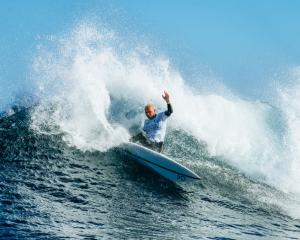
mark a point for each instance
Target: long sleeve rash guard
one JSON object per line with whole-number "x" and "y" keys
{"x": 155, "y": 128}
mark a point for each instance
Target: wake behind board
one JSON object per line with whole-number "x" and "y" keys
{"x": 160, "y": 163}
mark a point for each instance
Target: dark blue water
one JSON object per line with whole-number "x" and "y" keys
{"x": 49, "y": 190}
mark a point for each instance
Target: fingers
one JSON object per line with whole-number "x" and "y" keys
{"x": 166, "y": 96}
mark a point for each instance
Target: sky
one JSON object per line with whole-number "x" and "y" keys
{"x": 244, "y": 44}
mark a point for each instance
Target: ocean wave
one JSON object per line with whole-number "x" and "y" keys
{"x": 92, "y": 86}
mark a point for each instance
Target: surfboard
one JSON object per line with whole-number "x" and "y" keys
{"x": 160, "y": 163}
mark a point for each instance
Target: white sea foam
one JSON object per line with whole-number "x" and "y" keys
{"x": 93, "y": 72}
{"x": 289, "y": 101}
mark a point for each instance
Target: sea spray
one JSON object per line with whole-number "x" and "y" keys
{"x": 73, "y": 97}
{"x": 289, "y": 102}
{"x": 93, "y": 88}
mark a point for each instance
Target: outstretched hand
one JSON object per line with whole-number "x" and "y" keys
{"x": 166, "y": 97}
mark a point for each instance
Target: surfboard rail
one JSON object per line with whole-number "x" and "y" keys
{"x": 160, "y": 163}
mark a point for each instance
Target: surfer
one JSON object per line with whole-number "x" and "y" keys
{"x": 155, "y": 126}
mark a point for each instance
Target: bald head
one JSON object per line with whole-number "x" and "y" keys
{"x": 150, "y": 110}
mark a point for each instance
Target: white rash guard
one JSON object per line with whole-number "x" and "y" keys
{"x": 155, "y": 128}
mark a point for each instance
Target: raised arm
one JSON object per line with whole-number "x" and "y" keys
{"x": 166, "y": 97}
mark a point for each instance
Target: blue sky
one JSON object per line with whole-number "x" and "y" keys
{"x": 244, "y": 43}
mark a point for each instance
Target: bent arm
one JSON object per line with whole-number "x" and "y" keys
{"x": 166, "y": 97}
{"x": 170, "y": 110}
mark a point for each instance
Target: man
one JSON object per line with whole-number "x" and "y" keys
{"x": 155, "y": 126}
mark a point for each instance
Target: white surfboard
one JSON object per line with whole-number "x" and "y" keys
{"x": 160, "y": 163}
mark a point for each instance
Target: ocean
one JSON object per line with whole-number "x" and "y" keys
{"x": 64, "y": 176}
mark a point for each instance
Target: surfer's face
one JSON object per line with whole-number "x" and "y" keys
{"x": 150, "y": 111}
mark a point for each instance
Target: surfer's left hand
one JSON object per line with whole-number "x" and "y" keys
{"x": 166, "y": 97}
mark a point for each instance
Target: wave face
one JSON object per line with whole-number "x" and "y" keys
{"x": 91, "y": 86}
{"x": 50, "y": 189}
